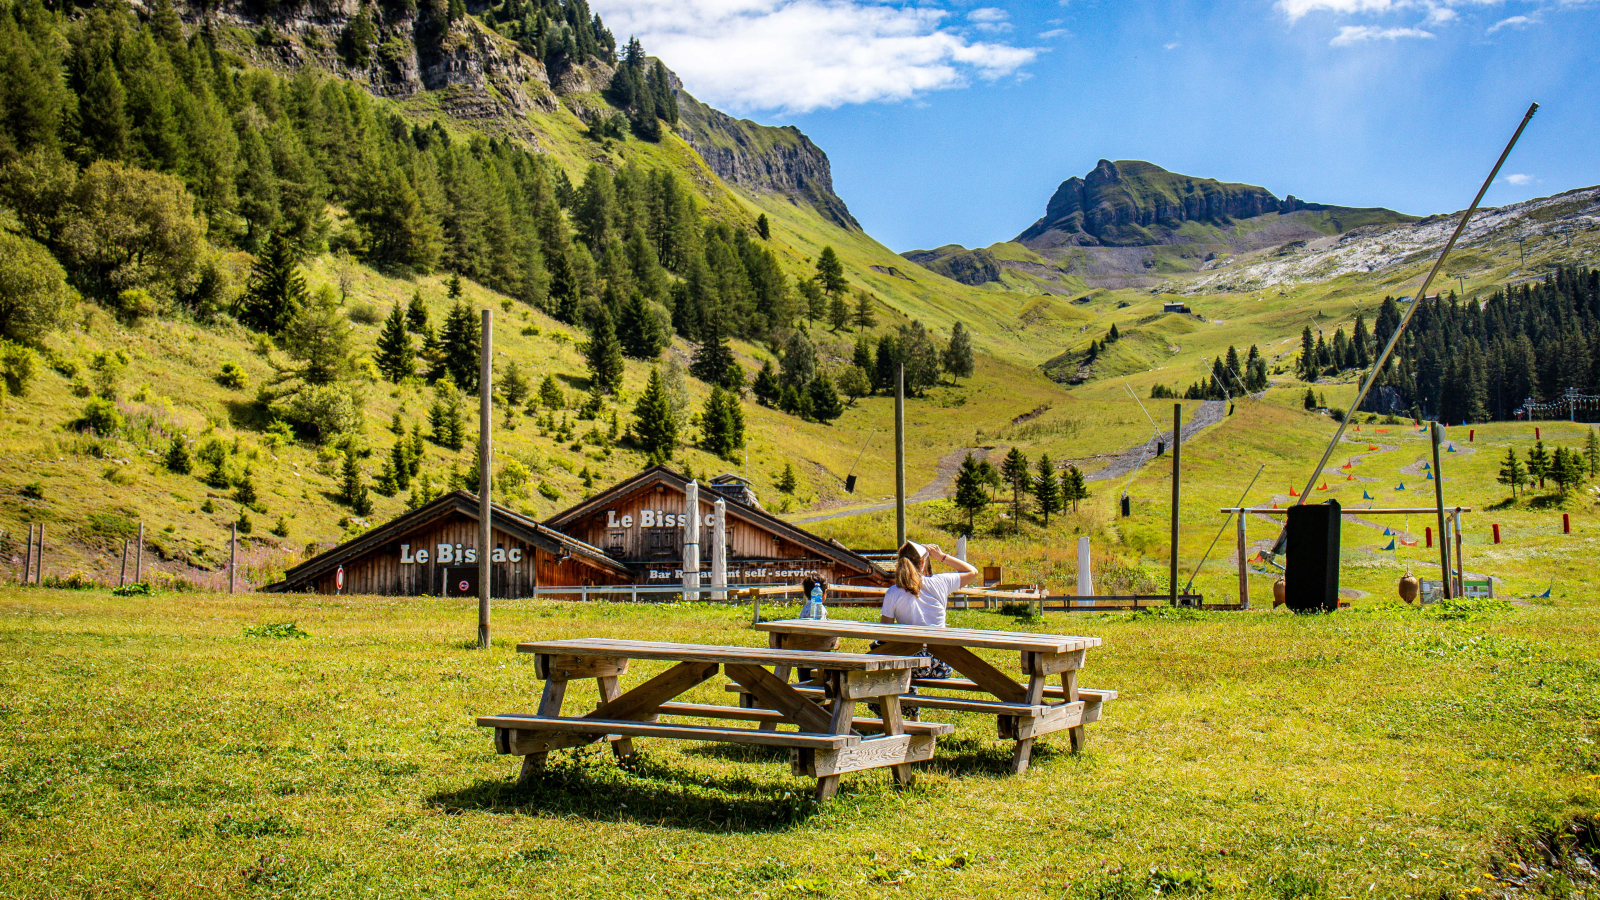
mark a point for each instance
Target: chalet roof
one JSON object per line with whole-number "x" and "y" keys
{"x": 754, "y": 515}
{"x": 459, "y": 503}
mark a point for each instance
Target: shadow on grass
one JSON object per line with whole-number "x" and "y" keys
{"x": 590, "y": 785}
{"x": 958, "y": 757}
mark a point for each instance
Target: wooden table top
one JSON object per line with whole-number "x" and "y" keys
{"x": 922, "y": 634}
{"x": 716, "y": 653}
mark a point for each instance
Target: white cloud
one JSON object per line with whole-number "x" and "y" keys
{"x": 1439, "y": 15}
{"x": 1355, "y": 34}
{"x": 1053, "y": 33}
{"x": 1170, "y": 45}
{"x": 1520, "y": 179}
{"x": 800, "y": 55}
{"x": 1439, "y": 11}
{"x": 1514, "y": 22}
{"x": 990, "y": 19}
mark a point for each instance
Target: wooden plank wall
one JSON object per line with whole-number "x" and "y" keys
{"x": 380, "y": 571}
{"x": 664, "y": 545}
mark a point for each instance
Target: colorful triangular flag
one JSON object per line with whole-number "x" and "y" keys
{"x": 1293, "y": 492}
{"x": 1450, "y": 449}
{"x": 1430, "y": 477}
{"x": 1324, "y": 486}
{"x": 1406, "y": 543}
{"x": 1390, "y": 547}
{"x": 1365, "y": 495}
{"x": 1401, "y": 487}
{"x": 1387, "y": 532}
{"x": 1372, "y": 446}
{"x": 1544, "y": 595}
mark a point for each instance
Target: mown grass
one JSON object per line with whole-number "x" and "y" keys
{"x": 152, "y": 747}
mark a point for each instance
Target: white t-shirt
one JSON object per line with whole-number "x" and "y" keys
{"x": 925, "y": 608}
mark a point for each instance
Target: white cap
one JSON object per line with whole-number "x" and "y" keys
{"x": 922, "y": 552}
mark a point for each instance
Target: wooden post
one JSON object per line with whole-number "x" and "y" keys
{"x": 1085, "y": 577}
{"x": 1461, "y": 566}
{"x": 1434, "y": 433}
{"x": 1177, "y": 454}
{"x": 122, "y": 575}
{"x": 485, "y": 468}
{"x": 38, "y": 558}
{"x": 1244, "y": 568}
{"x": 899, "y": 455}
{"x": 719, "y": 550}
{"x": 233, "y": 558}
{"x": 691, "y": 541}
{"x": 138, "y": 556}
{"x": 27, "y": 561}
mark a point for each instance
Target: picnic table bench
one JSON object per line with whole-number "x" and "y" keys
{"x": 830, "y": 741}
{"x": 1023, "y": 712}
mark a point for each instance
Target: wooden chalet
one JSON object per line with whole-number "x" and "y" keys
{"x": 433, "y": 550}
{"x": 638, "y": 523}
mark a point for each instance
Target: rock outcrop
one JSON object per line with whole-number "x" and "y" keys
{"x": 953, "y": 261}
{"x": 762, "y": 158}
{"x": 1130, "y": 203}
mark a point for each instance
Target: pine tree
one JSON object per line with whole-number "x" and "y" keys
{"x": 1073, "y": 487}
{"x": 787, "y": 482}
{"x": 885, "y": 363}
{"x": 830, "y": 273}
{"x": 638, "y": 329}
{"x": 1046, "y": 489}
{"x": 863, "y": 356}
{"x": 798, "y": 362}
{"x": 1512, "y": 472}
{"x": 1113, "y": 335}
{"x": 396, "y": 358}
{"x": 970, "y": 495}
{"x": 1567, "y": 470}
{"x": 767, "y": 387}
{"x": 714, "y": 363}
{"x": 1361, "y": 343}
{"x": 1310, "y": 401}
{"x": 654, "y": 427}
{"x": 459, "y": 343}
{"x": 825, "y": 403}
{"x": 763, "y": 228}
{"x": 1014, "y": 469}
{"x": 1538, "y": 463}
{"x": 353, "y": 486}
{"x": 444, "y": 415}
{"x": 416, "y": 313}
{"x": 178, "y": 460}
{"x": 550, "y": 394}
{"x": 603, "y": 354}
{"x": 838, "y": 313}
{"x": 958, "y": 356}
{"x": 403, "y": 464}
{"x": 514, "y": 386}
{"x": 722, "y": 423}
{"x": 814, "y": 303}
{"x": 1307, "y": 366}
{"x": 388, "y": 482}
{"x": 276, "y": 291}
{"x": 453, "y": 288}
{"x": 1591, "y": 452}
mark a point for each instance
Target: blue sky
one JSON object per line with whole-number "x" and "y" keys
{"x": 953, "y": 123}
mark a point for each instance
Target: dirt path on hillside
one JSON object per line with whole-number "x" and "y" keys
{"x": 944, "y": 476}
{"x": 1126, "y": 461}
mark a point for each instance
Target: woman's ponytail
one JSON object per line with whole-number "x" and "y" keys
{"x": 908, "y": 570}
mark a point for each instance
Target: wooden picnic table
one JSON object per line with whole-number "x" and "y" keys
{"x": 1023, "y": 711}
{"x": 830, "y": 740}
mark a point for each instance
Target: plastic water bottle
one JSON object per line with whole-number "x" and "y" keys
{"x": 814, "y": 608}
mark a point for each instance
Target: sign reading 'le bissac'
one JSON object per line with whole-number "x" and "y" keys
{"x": 445, "y": 554}
{"x": 655, "y": 518}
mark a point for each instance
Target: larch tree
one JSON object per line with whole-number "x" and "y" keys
{"x": 396, "y": 358}
{"x": 958, "y": 355}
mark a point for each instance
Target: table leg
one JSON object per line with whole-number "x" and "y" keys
{"x": 844, "y": 714}
{"x": 1069, "y": 687}
{"x": 1024, "y": 750}
{"x": 775, "y": 641}
{"x": 555, "y": 691}
{"x": 892, "y": 724}
{"x": 610, "y": 690}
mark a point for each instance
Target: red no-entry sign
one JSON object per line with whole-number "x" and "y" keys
{"x": 338, "y": 579}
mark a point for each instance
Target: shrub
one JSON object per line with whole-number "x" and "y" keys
{"x": 232, "y": 377}
{"x": 208, "y": 506}
{"x": 33, "y": 490}
{"x": 364, "y": 313}
{"x": 281, "y": 529}
{"x": 275, "y": 630}
{"x": 245, "y": 525}
{"x": 33, "y": 289}
{"x": 548, "y": 492}
{"x": 178, "y": 460}
{"x": 101, "y": 417}
{"x": 324, "y": 411}
{"x": 135, "y": 304}
{"x": 137, "y": 589}
{"x": 17, "y": 366}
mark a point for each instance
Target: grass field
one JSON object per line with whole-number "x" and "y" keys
{"x": 152, "y": 747}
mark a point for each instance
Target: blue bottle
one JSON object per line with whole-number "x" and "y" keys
{"x": 814, "y": 608}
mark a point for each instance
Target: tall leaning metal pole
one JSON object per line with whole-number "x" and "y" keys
{"x": 1422, "y": 293}
{"x": 899, "y": 455}
{"x": 485, "y": 467}
{"x": 1177, "y": 455}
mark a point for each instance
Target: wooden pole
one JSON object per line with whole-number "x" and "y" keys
{"x": 485, "y": 468}
{"x": 1461, "y": 566}
{"x": 27, "y": 561}
{"x": 1435, "y": 432}
{"x": 138, "y": 556}
{"x": 38, "y": 559}
{"x": 233, "y": 558}
{"x": 1177, "y": 454}
{"x": 122, "y": 576}
{"x": 719, "y": 549}
{"x": 1244, "y": 569}
{"x": 899, "y": 455}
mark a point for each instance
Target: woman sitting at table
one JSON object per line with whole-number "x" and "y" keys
{"x": 918, "y": 597}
